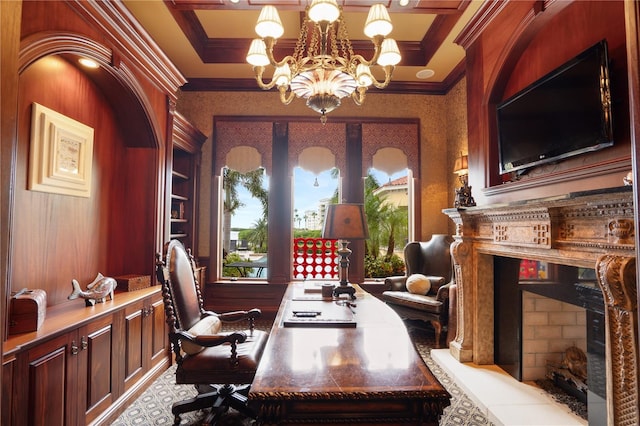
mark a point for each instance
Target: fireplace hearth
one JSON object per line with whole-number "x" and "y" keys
{"x": 589, "y": 230}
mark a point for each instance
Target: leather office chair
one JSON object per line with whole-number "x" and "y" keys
{"x": 220, "y": 365}
{"x": 432, "y": 260}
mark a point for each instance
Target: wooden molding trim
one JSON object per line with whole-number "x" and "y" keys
{"x": 616, "y": 165}
{"x": 115, "y": 20}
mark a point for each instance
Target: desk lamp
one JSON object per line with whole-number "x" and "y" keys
{"x": 463, "y": 194}
{"x": 345, "y": 222}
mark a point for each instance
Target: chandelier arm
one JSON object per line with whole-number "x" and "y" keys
{"x": 284, "y": 97}
{"x": 356, "y": 59}
{"x": 377, "y": 43}
{"x": 359, "y": 95}
{"x": 388, "y": 70}
{"x": 270, "y": 42}
{"x": 259, "y": 70}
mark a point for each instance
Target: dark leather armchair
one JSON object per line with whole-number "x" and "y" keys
{"x": 220, "y": 365}
{"x": 433, "y": 260}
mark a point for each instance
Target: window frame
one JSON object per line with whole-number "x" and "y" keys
{"x": 361, "y": 138}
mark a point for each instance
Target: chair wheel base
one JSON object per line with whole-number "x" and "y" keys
{"x": 219, "y": 399}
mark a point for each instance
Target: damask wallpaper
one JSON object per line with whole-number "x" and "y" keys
{"x": 442, "y": 133}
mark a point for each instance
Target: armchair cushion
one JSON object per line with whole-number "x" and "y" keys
{"x": 422, "y": 284}
{"x": 206, "y": 326}
{"x": 419, "y": 302}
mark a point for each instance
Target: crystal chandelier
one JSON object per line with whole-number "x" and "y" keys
{"x": 323, "y": 68}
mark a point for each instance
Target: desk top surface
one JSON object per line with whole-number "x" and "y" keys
{"x": 374, "y": 357}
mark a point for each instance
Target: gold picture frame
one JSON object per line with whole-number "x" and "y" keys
{"x": 61, "y": 155}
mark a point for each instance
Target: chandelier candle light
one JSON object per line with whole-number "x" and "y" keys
{"x": 330, "y": 70}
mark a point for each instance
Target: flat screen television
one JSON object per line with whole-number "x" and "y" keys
{"x": 565, "y": 113}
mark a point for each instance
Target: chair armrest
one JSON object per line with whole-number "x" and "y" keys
{"x": 397, "y": 283}
{"x": 443, "y": 292}
{"x": 208, "y": 340}
{"x": 237, "y": 315}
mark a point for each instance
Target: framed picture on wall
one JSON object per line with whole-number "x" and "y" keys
{"x": 61, "y": 154}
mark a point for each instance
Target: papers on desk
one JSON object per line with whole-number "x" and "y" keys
{"x": 303, "y": 313}
{"x": 313, "y": 287}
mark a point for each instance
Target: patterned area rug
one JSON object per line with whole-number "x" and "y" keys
{"x": 153, "y": 407}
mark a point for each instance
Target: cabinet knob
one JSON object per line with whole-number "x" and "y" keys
{"x": 83, "y": 343}
{"x": 74, "y": 348}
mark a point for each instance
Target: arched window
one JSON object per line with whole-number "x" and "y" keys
{"x": 300, "y": 157}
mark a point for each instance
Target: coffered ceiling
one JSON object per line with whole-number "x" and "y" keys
{"x": 208, "y": 39}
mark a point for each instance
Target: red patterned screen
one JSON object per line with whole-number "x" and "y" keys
{"x": 315, "y": 258}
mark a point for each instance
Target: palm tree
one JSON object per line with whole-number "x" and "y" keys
{"x": 258, "y": 236}
{"x": 232, "y": 203}
{"x": 395, "y": 224}
{"x": 252, "y": 181}
{"x": 375, "y": 210}
{"x": 386, "y": 222}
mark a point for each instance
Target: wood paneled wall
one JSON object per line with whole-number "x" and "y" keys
{"x": 511, "y": 45}
{"x": 64, "y": 237}
{"x": 127, "y": 101}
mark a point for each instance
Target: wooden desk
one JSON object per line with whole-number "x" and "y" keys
{"x": 370, "y": 374}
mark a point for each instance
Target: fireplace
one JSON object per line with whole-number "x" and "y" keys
{"x": 588, "y": 230}
{"x": 549, "y": 327}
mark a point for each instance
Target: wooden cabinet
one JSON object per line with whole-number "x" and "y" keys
{"x": 185, "y": 168}
{"x": 66, "y": 380}
{"x": 144, "y": 338}
{"x": 84, "y": 363}
{"x": 50, "y": 370}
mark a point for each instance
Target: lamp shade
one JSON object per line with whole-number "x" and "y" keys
{"x": 389, "y": 53}
{"x": 282, "y": 75}
{"x": 345, "y": 222}
{"x": 363, "y": 75}
{"x": 257, "y": 55}
{"x": 324, "y": 10}
{"x": 269, "y": 23}
{"x": 378, "y": 22}
{"x": 461, "y": 166}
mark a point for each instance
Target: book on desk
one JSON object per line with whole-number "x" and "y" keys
{"x": 319, "y": 313}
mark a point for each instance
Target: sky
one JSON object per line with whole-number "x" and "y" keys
{"x": 306, "y": 195}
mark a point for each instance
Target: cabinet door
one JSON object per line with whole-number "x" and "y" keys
{"x": 8, "y": 367}
{"x": 50, "y": 386}
{"x": 157, "y": 323}
{"x": 97, "y": 368}
{"x": 134, "y": 343}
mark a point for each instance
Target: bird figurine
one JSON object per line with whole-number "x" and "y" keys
{"x": 97, "y": 290}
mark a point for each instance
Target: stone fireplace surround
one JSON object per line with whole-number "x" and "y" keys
{"x": 592, "y": 229}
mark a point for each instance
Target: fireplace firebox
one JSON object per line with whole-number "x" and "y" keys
{"x": 542, "y": 317}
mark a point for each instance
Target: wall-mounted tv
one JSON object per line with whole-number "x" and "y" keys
{"x": 565, "y": 113}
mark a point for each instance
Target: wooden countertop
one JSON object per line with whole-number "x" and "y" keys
{"x": 72, "y": 314}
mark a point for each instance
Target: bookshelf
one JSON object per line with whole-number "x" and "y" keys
{"x": 185, "y": 169}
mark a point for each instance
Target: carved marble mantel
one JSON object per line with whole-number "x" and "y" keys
{"x": 592, "y": 230}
